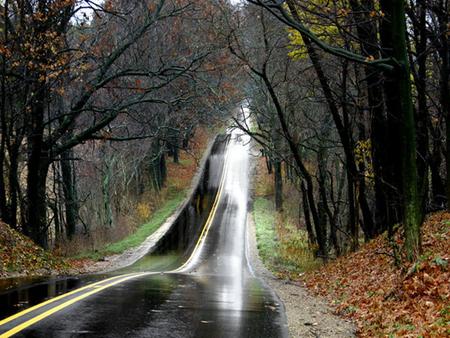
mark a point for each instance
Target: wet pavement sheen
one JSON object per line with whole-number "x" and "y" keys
{"x": 215, "y": 295}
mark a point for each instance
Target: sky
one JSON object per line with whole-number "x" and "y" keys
{"x": 88, "y": 12}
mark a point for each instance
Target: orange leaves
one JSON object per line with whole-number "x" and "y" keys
{"x": 109, "y": 6}
{"x": 382, "y": 300}
{"x": 39, "y": 44}
{"x": 343, "y": 12}
{"x": 377, "y": 14}
{"x": 59, "y": 5}
{"x": 138, "y": 84}
{"x": 151, "y": 7}
{"x": 5, "y": 51}
{"x": 18, "y": 254}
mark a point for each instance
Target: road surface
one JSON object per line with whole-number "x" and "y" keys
{"x": 213, "y": 294}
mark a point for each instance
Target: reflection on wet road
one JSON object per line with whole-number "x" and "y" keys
{"x": 214, "y": 295}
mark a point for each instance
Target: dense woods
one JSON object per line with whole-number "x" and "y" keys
{"x": 350, "y": 101}
{"x": 94, "y": 97}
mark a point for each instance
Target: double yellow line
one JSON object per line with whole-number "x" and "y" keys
{"x": 107, "y": 283}
{"x": 96, "y": 287}
{"x": 209, "y": 220}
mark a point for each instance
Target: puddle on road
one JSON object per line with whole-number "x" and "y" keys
{"x": 21, "y": 293}
{"x": 17, "y": 294}
{"x": 154, "y": 263}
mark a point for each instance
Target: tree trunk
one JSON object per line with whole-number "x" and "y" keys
{"x": 367, "y": 34}
{"x": 106, "y": 192}
{"x": 351, "y": 171}
{"x": 70, "y": 193}
{"x": 176, "y": 154}
{"x": 38, "y": 164}
{"x": 305, "y": 205}
{"x": 4, "y": 212}
{"x": 392, "y": 173}
{"x": 323, "y": 229}
{"x": 14, "y": 186}
{"x": 438, "y": 192}
{"x": 36, "y": 227}
{"x": 278, "y": 182}
{"x": 162, "y": 168}
{"x": 158, "y": 168}
{"x": 324, "y": 209}
{"x": 405, "y": 175}
{"x": 444, "y": 53}
{"x": 422, "y": 116}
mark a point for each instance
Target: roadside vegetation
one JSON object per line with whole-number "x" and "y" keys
{"x": 384, "y": 294}
{"x": 20, "y": 256}
{"x": 150, "y": 211}
{"x": 385, "y": 300}
{"x": 282, "y": 243}
{"x": 136, "y": 238}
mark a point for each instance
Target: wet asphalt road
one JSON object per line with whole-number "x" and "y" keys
{"x": 214, "y": 294}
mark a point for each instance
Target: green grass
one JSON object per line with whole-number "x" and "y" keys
{"x": 264, "y": 216}
{"x": 283, "y": 248}
{"x": 146, "y": 229}
{"x": 139, "y": 236}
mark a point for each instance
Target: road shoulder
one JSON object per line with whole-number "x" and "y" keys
{"x": 131, "y": 255}
{"x": 307, "y": 315}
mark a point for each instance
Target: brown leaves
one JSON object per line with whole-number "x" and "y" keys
{"x": 383, "y": 300}
{"x": 151, "y": 7}
{"x": 19, "y": 255}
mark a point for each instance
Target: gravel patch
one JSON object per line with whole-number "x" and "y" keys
{"x": 307, "y": 315}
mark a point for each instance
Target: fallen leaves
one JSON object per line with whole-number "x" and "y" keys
{"x": 20, "y": 256}
{"x": 386, "y": 301}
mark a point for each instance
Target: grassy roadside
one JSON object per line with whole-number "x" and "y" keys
{"x": 264, "y": 217}
{"x": 282, "y": 243}
{"x": 154, "y": 211}
{"x": 365, "y": 286}
{"x": 282, "y": 247}
{"x": 19, "y": 256}
{"x": 135, "y": 239}
{"x": 386, "y": 301}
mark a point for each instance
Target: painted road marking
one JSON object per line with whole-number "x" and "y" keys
{"x": 59, "y": 307}
{"x": 97, "y": 287}
{"x": 33, "y": 308}
{"x": 209, "y": 220}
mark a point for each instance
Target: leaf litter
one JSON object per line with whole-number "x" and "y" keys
{"x": 389, "y": 301}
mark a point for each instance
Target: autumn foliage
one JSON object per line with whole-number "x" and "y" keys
{"x": 384, "y": 300}
{"x": 20, "y": 256}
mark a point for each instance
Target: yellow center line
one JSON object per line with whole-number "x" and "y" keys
{"x": 97, "y": 287}
{"x": 209, "y": 220}
{"x": 33, "y": 308}
{"x": 66, "y": 304}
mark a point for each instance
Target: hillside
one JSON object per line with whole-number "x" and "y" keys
{"x": 19, "y": 256}
{"x": 383, "y": 300}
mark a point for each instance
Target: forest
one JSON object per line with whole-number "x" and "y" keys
{"x": 348, "y": 101}
{"x": 352, "y": 98}
{"x": 351, "y": 101}
{"x": 95, "y": 97}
